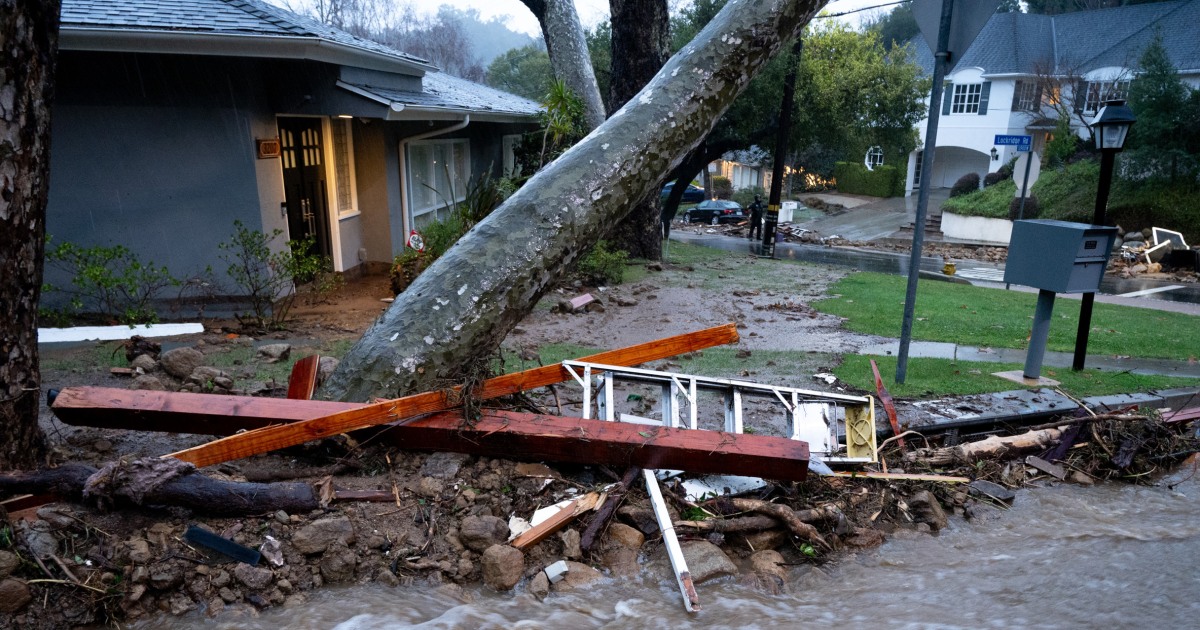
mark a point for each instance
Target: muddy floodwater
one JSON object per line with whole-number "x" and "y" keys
{"x": 1110, "y": 556}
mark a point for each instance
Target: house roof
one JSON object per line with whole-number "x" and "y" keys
{"x": 250, "y": 28}
{"x": 441, "y": 92}
{"x": 1073, "y": 43}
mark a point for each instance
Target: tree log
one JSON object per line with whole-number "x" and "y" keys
{"x": 461, "y": 308}
{"x": 989, "y": 448}
{"x": 193, "y": 491}
{"x": 787, "y": 516}
{"x": 615, "y": 495}
{"x": 755, "y": 523}
{"x": 569, "y": 57}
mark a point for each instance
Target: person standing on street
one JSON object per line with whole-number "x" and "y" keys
{"x": 756, "y": 215}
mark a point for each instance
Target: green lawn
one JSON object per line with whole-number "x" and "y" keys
{"x": 946, "y": 377}
{"x": 874, "y": 304}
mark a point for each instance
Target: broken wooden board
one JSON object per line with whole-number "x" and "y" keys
{"x": 866, "y": 474}
{"x": 559, "y": 520}
{"x": 303, "y": 380}
{"x": 888, "y": 406}
{"x": 78, "y": 405}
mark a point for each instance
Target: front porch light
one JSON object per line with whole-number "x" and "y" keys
{"x": 1111, "y": 125}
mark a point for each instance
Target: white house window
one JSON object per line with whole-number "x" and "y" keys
{"x": 511, "y": 168}
{"x": 438, "y": 172}
{"x": 917, "y": 169}
{"x": 1027, "y": 96}
{"x": 966, "y": 98}
{"x": 874, "y": 158}
{"x": 343, "y": 167}
{"x": 1100, "y": 91}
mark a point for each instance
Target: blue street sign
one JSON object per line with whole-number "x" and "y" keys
{"x": 1023, "y": 143}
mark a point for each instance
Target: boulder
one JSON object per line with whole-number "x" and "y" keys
{"x": 578, "y": 575}
{"x": 8, "y": 563}
{"x": 570, "y": 541}
{"x": 144, "y": 362}
{"x": 443, "y": 465}
{"x": 926, "y": 509}
{"x": 706, "y": 561}
{"x": 181, "y": 362}
{"x": 625, "y": 536}
{"x": 539, "y": 585}
{"x": 502, "y": 567}
{"x": 320, "y": 534}
{"x": 769, "y": 571}
{"x": 253, "y": 577}
{"x": 478, "y": 533}
{"x": 14, "y": 595}
{"x": 275, "y": 352}
{"x": 148, "y": 382}
{"x": 338, "y": 563}
{"x": 621, "y": 561}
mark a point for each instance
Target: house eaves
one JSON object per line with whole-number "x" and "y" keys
{"x": 234, "y": 45}
{"x": 444, "y": 97}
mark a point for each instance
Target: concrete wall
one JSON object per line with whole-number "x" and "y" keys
{"x": 979, "y": 229}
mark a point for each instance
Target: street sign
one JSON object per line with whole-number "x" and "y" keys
{"x": 1023, "y": 143}
{"x": 1026, "y": 171}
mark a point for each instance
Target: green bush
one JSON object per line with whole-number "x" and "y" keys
{"x": 990, "y": 202}
{"x": 1031, "y": 210}
{"x": 854, "y": 178}
{"x": 111, "y": 281}
{"x": 722, "y": 187}
{"x": 269, "y": 279}
{"x": 602, "y": 266}
{"x": 965, "y": 185}
{"x": 745, "y": 196}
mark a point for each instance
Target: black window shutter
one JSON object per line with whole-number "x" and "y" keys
{"x": 1017, "y": 88}
{"x": 1079, "y": 95}
{"x": 984, "y": 93}
{"x": 947, "y": 98}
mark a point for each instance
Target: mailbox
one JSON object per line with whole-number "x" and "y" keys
{"x": 1058, "y": 256}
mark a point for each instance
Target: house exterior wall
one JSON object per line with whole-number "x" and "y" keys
{"x": 157, "y": 153}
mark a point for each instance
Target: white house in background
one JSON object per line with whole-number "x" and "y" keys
{"x": 994, "y": 88}
{"x": 744, "y": 169}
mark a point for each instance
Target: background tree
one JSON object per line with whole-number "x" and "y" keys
{"x": 894, "y": 27}
{"x": 568, "y": 51}
{"x": 1159, "y": 98}
{"x": 29, "y": 30}
{"x": 640, "y": 36}
{"x": 523, "y": 71}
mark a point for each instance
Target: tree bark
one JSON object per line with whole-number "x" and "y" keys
{"x": 461, "y": 308}
{"x": 29, "y": 45}
{"x": 640, "y": 40}
{"x": 569, "y": 58}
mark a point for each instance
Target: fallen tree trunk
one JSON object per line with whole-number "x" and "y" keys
{"x": 461, "y": 308}
{"x": 193, "y": 491}
{"x": 991, "y": 448}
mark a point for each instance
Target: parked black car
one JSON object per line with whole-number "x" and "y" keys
{"x": 715, "y": 211}
{"x": 693, "y": 194}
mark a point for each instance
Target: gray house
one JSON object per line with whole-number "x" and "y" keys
{"x": 174, "y": 118}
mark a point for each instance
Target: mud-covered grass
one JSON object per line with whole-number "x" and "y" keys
{"x": 946, "y": 377}
{"x": 721, "y": 272}
{"x": 873, "y": 303}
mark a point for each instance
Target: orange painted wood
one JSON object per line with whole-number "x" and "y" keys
{"x": 182, "y": 412}
{"x": 620, "y": 444}
{"x": 277, "y": 437}
{"x": 303, "y": 380}
{"x": 561, "y": 519}
{"x": 888, "y": 405}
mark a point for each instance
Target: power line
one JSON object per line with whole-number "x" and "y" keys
{"x": 861, "y": 9}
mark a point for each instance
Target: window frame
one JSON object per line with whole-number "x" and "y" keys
{"x": 967, "y": 100}
{"x": 873, "y": 157}
{"x": 419, "y": 211}
{"x": 1028, "y": 96}
{"x": 1096, "y": 93}
{"x": 350, "y": 186}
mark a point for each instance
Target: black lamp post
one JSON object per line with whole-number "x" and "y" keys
{"x": 1111, "y": 128}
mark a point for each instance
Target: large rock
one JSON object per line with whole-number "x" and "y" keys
{"x": 148, "y": 382}
{"x": 578, "y": 575}
{"x": 181, "y": 362}
{"x": 706, "y": 561}
{"x": 478, "y": 533}
{"x": 253, "y": 577}
{"x": 144, "y": 362}
{"x": 8, "y": 563}
{"x": 570, "y": 540}
{"x": 621, "y": 561}
{"x": 274, "y": 352}
{"x": 320, "y": 534}
{"x": 39, "y": 539}
{"x": 14, "y": 595}
{"x": 625, "y": 536}
{"x": 769, "y": 570}
{"x": 926, "y": 509}
{"x": 338, "y": 563}
{"x": 502, "y": 567}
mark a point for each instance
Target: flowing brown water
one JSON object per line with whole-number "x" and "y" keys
{"x": 1111, "y": 556}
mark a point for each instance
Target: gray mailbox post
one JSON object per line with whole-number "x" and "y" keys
{"x": 1055, "y": 257}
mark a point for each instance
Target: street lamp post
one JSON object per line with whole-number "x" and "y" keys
{"x": 1110, "y": 128}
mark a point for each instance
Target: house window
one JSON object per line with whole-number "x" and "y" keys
{"x": 966, "y": 98}
{"x": 438, "y": 171}
{"x": 343, "y": 167}
{"x": 1100, "y": 91}
{"x": 917, "y": 169}
{"x": 1027, "y": 97}
{"x": 511, "y": 168}
{"x": 874, "y": 158}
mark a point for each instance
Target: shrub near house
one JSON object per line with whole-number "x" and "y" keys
{"x": 855, "y": 178}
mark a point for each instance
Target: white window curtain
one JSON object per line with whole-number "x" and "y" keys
{"x": 438, "y": 174}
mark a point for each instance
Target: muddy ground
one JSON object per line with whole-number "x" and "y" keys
{"x": 448, "y": 515}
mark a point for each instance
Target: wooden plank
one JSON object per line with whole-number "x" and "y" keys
{"x": 1182, "y": 415}
{"x": 575, "y": 440}
{"x": 866, "y": 474}
{"x": 303, "y": 380}
{"x": 561, "y": 519}
{"x": 277, "y": 437}
{"x": 888, "y": 405}
{"x": 182, "y": 412}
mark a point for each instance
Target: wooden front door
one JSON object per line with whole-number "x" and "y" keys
{"x": 303, "y": 158}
